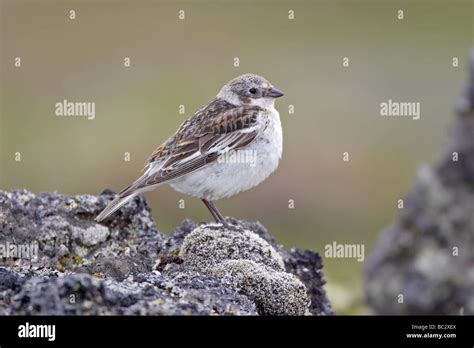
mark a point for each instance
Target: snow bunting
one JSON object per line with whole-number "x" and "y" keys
{"x": 229, "y": 145}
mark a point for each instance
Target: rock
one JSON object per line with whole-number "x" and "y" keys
{"x": 9, "y": 280}
{"x": 249, "y": 264}
{"x": 125, "y": 266}
{"x": 426, "y": 255}
{"x": 205, "y": 247}
{"x": 308, "y": 267}
{"x": 274, "y": 293}
{"x": 91, "y": 235}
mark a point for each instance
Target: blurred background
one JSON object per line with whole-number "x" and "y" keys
{"x": 185, "y": 62}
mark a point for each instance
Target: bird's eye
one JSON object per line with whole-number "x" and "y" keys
{"x": 253, "y": 90}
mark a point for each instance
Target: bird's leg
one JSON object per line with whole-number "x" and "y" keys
{"x": 215, "y": 212}
{"x": 218, "y": 213}
{"x": 210, "y": 207}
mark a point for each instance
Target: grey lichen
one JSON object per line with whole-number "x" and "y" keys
{"x": 91, "y": 235}
{"x": 275, "y": 293}
{"x": 247, "y": 263}
{"x": 206, "y": 246}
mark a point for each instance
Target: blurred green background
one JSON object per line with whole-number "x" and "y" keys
{"x": 186, "y": 62}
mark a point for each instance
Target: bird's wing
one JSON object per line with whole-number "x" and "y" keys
{"x": 197, "y": 143}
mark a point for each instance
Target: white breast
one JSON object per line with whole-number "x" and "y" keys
{"x": 242, "y": 170}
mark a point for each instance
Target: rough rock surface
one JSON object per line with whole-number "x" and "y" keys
{"x": 246, "y": 262}
{"x": 125, "y": 266}
{"x": 205, "y": 247}
{"x": 427, "y": 255}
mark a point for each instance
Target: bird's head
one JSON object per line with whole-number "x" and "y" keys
{"x": 250, "y": 89}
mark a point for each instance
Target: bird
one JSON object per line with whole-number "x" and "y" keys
{"x": 230, "y": 145}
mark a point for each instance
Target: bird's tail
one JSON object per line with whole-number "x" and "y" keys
{"x": 139, "y": 186}
{"x": 114, "y": 205}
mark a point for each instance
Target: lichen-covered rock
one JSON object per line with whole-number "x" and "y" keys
{"x": 207, "y": 246}
{"x": 274, "y": 292}
{"x": 248, "y": 264}
{"x": 307, "y": 266}
{"x": 125, "y": 266}
{"x": 144, "y": 294}
{"x": 423, "y": 262}
{"x": 67, "y": 234}
{"x": 91, "y": 235}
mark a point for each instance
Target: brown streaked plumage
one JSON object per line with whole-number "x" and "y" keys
{"x": 229, "y": 122}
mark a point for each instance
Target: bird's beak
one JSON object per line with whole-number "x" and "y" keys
{"x": 274, "y": 93}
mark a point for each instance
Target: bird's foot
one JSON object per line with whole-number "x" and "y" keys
{"x": 223, "y": 224}
{"x": 228, "y": 226}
